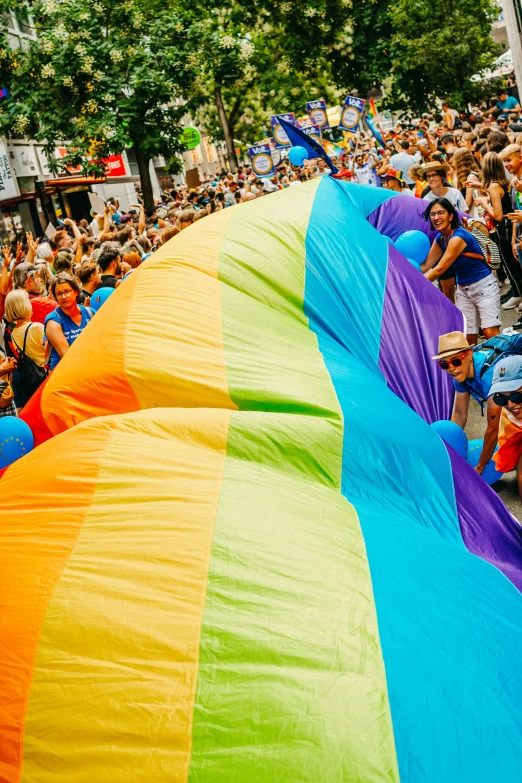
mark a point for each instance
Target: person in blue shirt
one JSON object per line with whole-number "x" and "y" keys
{"x": 505, "y": 104}
{"x": 470, "y": 379}
{"x": 477, "y": 296}
{"x": 63, "y": 325}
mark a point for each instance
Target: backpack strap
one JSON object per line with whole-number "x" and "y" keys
{"x": 473, "y": 255}
{"x": 21, "y": 353}
{"x": 494, "y": 352}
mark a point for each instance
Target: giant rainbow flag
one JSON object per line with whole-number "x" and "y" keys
{"x": 239, "y": 553}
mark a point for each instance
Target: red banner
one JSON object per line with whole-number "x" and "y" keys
{"x": 115, "y": 166}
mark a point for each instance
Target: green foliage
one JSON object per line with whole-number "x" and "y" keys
{"x": 100, "y": 75}
{"x": 436, "y": 46}
{"x": 265, "y": 57}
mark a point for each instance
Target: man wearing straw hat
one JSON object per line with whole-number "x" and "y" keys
{"x": 472, "y": 375}
{"x": 435, "y": 175}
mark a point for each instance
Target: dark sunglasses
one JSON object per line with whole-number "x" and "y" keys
{"x": 445, "y": 364}
{"x": 503, "y": 399}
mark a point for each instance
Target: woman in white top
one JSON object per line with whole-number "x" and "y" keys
{"x": 18, "y": 310}
{"x": 435, "y": 174}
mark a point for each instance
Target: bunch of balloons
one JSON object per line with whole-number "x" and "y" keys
{"x": 455, "y": 436}
{"x": 16, "y": 440}
{"x": 415, "y": 245}
{"x": 297, "y": 156}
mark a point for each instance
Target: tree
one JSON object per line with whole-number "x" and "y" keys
{"x": 437, "y": 46}
{"x": 101, "y": 76}
{"x": 422, "y": 51}
{"x": 259, "y": 53}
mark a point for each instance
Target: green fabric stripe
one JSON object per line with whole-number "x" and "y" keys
{"x": 291, "y": 680}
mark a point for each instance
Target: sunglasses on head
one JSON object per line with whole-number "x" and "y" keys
{"x": 503, "y": 399}
{"x": 445, "y": 364}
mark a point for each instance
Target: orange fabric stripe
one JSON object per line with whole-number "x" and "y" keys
{"x": 118, "y": 654}
{"x": 44, "y": 501}
{"x": 157, "y": 342}
{"x": 92, "y": 380}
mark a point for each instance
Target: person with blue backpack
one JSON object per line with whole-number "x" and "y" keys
{"x": 506, "y": 391}
{"x": 471, "y": 369}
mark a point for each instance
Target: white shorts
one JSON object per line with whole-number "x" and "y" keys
{"x": 479, "y": 303}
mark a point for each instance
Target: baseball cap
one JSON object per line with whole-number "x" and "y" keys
{"x": 502, "y": 117}
{"x": 507, "y": 375}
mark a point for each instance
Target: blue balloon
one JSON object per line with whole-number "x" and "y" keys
{"x": 16, "y": 440}
{"x": 453, "y": 435}
{"x": 100, "y": 296}
{"x": 415, "y": 264}
{"x": 297, "y": 156}
{"x": 389, "y": 240}
{"x": 490, "y": 474}
{"x": 414, "y": 244}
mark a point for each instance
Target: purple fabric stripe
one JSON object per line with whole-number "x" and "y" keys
{"x": 494, "y": 535}
{"x": 415, "y": 313}
{"x": 392, "y": 217}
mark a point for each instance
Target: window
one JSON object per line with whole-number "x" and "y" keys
{"x": 21, "y": 30}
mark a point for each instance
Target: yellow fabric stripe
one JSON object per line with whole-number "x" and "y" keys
{"x": 120, "y": 638}
{"x": 177, "y": 305}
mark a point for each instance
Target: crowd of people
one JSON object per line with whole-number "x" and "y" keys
{"x": 466, "y": 166}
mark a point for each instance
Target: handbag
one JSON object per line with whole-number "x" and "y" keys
{"x": 6, "y": 391}
{"x": 489, "y": 248}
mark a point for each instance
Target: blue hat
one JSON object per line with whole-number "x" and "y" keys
{"x": 507, "y": 375}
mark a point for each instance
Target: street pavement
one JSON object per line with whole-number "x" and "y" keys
{"x": 507, "y": 486}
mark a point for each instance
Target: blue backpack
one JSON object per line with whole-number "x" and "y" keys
{"x": 500, "y": 345}
{"x": 495, "y": 348}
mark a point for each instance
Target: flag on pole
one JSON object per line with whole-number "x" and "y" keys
{"x": 298, "y": 138}
{"x": 372, "y": 118}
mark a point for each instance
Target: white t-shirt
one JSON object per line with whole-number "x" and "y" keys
{"x": 407, "y": 192}
{"x": 454, "y": 196}
{"x": 403, "y": 161}
{"x": 365, "y": 175}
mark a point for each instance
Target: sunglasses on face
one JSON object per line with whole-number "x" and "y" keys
{"x": 503, "y": 399}
{"x": 445, "y": 364}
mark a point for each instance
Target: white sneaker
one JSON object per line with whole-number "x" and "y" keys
{"x": 512, "y": 303}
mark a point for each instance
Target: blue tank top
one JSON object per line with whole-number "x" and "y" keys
{"x": 69, "y": 328}
{"x": 467, "y": 270}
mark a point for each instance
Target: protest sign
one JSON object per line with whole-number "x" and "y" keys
{"x": 317, "y": 111}
{"x": 280, "y": 137}
{"x": 190, "y": 138}
{"x": 97, "y": 204}
{"x": 50, "y": 231}
{"x": 310, "y": 128}
{"x": 351, "y": 113}
{"x": 261, "y": 160}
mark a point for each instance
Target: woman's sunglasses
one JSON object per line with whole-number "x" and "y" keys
{"x": 503, "y": 399}
{"x": 445, "y": 364}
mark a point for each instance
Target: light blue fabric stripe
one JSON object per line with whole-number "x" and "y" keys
{"x": 365, "y": 198}
{"x": 349, "y": 273}
{"x": 450, "y": 624}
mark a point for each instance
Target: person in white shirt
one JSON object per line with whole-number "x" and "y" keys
{"x": 364, "y": 169}
{"x": 435, "y": 175}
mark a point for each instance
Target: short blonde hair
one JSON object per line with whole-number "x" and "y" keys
{"x": 18, "y": 305}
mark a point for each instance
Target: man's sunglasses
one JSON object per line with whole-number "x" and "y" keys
{"x": 503, "y": 399}
{"x": 445, "y": 364}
